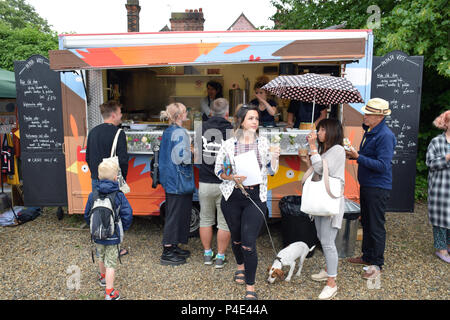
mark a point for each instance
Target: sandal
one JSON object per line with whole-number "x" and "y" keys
{"x": 252, "y": 294}
{"x": 239, "y": 277}
{"x": 123, "y": 252}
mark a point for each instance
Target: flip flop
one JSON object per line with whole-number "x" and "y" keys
{"x": 122, "y": 253}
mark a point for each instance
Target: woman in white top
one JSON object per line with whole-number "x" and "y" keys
{"x": 243, "y": 218}
{"x": 330, "y": 140}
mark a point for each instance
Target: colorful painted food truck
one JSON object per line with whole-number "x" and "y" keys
{"x": 147, "y": 71}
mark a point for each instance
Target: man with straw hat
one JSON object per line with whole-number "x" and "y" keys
{"x": 375, "y": 179}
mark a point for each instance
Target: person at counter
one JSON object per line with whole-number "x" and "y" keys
{"x": 214, "y": 90}
{"x": 177, "y": 179}
{"x": 267, "y": 107}
{"x": 301, "y": 112}
{"x": 100, "y": 140}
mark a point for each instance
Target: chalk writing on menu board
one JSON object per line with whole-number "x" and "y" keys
{"x": 397, "y": 78}
{"x": 41, "y": 131}
{"x": 39, "y": 116}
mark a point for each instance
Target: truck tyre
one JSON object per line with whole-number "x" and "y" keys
{"x": 194, "y": 224}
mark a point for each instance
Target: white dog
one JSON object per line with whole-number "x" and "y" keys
{"x": 287, "y": 257}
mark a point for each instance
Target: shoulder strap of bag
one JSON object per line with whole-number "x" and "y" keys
{"x": 326, "y": 179}
{"x": 307, "y": 174}
{"x": 114, "y": 145}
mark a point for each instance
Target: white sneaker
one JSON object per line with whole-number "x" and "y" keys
{"x": 321, "y": 276}
{"x": 328, "y": 293}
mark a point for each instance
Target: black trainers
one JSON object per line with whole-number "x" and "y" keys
{"x": 181, "y": 252}
{"x": 169, "y": 257}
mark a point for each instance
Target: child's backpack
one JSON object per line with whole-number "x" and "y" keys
{"x": 103, "y": 215}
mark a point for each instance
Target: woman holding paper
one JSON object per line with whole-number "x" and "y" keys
{"x": 245, "y": 160}
{"x": 330, "y": 135}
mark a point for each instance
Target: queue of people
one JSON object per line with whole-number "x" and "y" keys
{"x": 224, "y": 194}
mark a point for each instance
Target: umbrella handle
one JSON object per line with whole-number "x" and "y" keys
{"x": 314, "y": 105}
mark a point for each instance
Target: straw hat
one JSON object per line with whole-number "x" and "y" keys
{"x": 377, "y": 106}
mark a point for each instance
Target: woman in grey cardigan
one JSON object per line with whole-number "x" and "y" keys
{"x": 330, "y": 140}
{"x": 438, "y": 161}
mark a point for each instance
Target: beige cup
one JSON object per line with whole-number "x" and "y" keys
{"x": 273, "y": 147}
{"x": 303, "y": 152}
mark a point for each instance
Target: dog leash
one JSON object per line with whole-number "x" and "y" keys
{"x": 245, "y": 193}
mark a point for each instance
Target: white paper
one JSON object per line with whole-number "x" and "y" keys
{"x": 247, "y": 165}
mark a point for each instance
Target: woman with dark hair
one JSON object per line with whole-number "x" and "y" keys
{"x": 243, "y": 218}
{"x": 214, "y": 90}
{"x": 330, "y": 140}
{"x": 267, "y": 107}
{"x": 438, "y": 162}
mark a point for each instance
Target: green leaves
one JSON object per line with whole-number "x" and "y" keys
{"x": 23, "y": 33}
{"x": 17, "y": 14}
{"x": 417, "y": 27}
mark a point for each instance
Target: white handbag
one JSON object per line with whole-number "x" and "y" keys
{"x": 123, "y": 186}
{"x": 318, "y": 197}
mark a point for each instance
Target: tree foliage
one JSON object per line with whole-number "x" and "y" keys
{"x": 23, "y": 33}
{"x": 417, "y": 27}
{"x": 17, "y": 14}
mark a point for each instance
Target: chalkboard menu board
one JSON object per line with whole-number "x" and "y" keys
{"x": 397, "y": 78}
{"x": 41, "y": 132}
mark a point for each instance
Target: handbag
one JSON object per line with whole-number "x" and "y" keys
{"x": 123, "y": 186}
{"x": 154, "y": 167}
{"x": 323, "y": 197}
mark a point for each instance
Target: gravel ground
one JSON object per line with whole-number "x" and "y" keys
{"x": 36, "y": 258}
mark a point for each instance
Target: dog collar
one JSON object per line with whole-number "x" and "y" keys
{"x": 278, "y": 258}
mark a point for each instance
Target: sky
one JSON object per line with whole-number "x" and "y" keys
{"x": 110, "y": 16}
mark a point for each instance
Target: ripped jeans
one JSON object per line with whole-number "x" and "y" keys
{"x": 244, "y": 221}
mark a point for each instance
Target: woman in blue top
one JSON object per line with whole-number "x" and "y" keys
{"x": 177, "y": 179}
{"x": 267, "y": 107}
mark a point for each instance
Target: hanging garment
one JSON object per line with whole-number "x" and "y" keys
{"x": 7, "y": 156}
{"x": 13, "y": 178}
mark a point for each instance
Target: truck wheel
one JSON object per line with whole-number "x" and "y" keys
{"x": 60, "y": 213}
{"x": 194, "y": 223}
{"x": 195, "y": 220}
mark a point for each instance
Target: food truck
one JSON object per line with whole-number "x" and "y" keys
{"x": 147, "y": 71}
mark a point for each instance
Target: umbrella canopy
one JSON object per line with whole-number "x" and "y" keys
{"x": 316, "y": 88}
{"x": 7, "y": 84}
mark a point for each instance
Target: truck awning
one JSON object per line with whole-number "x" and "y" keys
{"x": 189, "y": 48}
{"x": 7, "y": 84}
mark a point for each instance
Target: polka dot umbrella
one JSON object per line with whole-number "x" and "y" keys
{"x": 311, "y": 87}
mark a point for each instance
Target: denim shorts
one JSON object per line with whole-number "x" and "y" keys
{"x": 209, "y": 195}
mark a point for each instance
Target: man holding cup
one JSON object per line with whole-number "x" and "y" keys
{"x": 375, "y": 179}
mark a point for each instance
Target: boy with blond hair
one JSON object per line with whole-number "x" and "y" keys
{"x": 107, "y": 248}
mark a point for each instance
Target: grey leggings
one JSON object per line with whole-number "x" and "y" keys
{"x": 327, "y": 235}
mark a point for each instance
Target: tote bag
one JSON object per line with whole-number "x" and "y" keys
{"x": 323, "y": 197}
{"x": 123, "y": 186}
